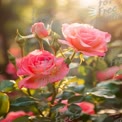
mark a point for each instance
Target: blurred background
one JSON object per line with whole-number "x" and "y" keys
{"x": 105, "y": 15}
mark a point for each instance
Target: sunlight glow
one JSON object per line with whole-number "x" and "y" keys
{"x": 86, "y": 3}
{"x": 62, "y": 2}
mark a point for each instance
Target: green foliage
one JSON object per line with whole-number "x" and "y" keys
{"x": 105, "y": 93}
{"x": 7, "y": 85}
{"x": 75, "y": 99}
{"x": 23, "y": 101}
{"x": 4, "y": 103}
{"x": 77, "y": 88}
{"x": 74, "y": 111}
{"x": 22, "y": 119}
{"x": 110, "y": 85}
{"x": 100, "y": 64}
{"x": 83, "y": 70}
{"x": 67, "y": 94}
{"x": 57, "y": 106}
{"x": 105, "y": 89}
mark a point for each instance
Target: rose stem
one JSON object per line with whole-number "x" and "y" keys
{"x": 41, "y": 44}
{"x": 53, "y": 98}
{"x": 72, "y": 56}
{"x": 29, "y": 93}
{"x": 62, "y": 53}
{"x": 22, "y": 50}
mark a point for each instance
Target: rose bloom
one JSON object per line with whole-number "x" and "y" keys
{"x": 40, "y": 68}
{"x": 14, "y": 115}
{"x": 39, "y": 30}
{"x": 85, "y": 39}
{"x": 86, "y": 107}
{"x": 108, "y": 73}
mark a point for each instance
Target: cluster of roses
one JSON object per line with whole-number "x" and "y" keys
{"x": 41, "y": 67}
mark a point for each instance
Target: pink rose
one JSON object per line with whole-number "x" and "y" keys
{"x": 85, "y": 39}
{"x": 41, "y": 68}
{"x": 14, "y": 115}
{"x": 108, "y": 73}
{"x": 87, "y": 107}
{"x": 39, "y": 30}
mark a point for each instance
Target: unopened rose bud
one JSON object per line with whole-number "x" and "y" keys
{"x": 39, "y": 30}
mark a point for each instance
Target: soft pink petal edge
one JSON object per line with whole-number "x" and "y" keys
{"x": 35, "y": 82}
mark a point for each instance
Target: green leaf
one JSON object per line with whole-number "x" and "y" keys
{"x": 44, "y": 95}
{"x": 67, "y": 94}
{"x": 82, "y": 70}
{"x": 23, "y": 101}
{"x": 110, "y": 85}
{"x": 79, "y": 89}
{"x": 100, "y": 64}
{"x": 22, "y": 119}
{"x": 60, "y": 105}
{"x": 75, "y": 99}
{"x": 4, "y": 103}
{"x": 105, "y": 93}
{"x": 7, "y": 85}
{"x": 72, "y": 116}
{"x": 73, "y": 112}
{"x": 74, "y": 108}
